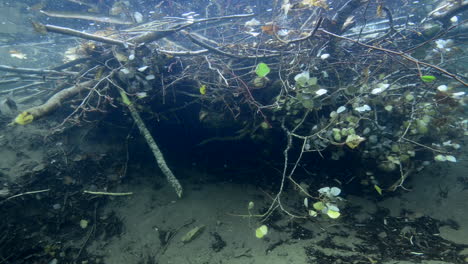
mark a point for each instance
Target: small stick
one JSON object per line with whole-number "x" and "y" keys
{"x": 71, "y": 32}
{"x": 24, "y": 87}
{"x": 25, "y": 193}
{"x": 14, "y": 80}
{"x": 32, "y": 96}
{"x": 71, "y": 63}
{"x": 183, "y": 53}
{"x": 220, "y": 52}
{"x": 108, "y": 193}
{"x": 29, "y": 70}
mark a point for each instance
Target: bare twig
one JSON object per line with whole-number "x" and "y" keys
{"x": 71, "y": 32}
{"x": 22, "y": 194}
{"x": 32, "y": 71}
{"x": 108, "y": 193}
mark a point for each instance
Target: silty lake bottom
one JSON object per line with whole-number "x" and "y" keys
{"x": 233, "y": 131}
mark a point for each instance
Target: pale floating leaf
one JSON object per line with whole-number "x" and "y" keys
{"x": 302, "y": 78}
{"x": 451, "y": 158}
{"x": 458, "y": 95}
{"x": 324, "y": 190}
{"x": 252, "y": 22}
{"x": 354, "y": 140}
{"x": 138, "y": 17}
{"x": 380, "y": 88}
{"x": 442, "y": 88}
{"x": 141, "y": 95}
{"x": 335, "y": 191}
{"x": 320, "y": 92}
{"x": 283, "y": 32}
{"x": 255, "y": 34}
{"x": 84, "y": 223}
{"x": 325, "y": 56}
{"x": 440, "y": 158}
{"x": 341, "y": 109}
{"x": 333, "y": 207}
{"x": 363, "y": 108}
{"x": 150, "y": 77}
{"x": 142, "y": 69}
{"x": 313, "y": 213}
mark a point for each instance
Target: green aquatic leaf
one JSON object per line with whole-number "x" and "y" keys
{"x": 261, "y": 231}
{"x": 428, "y": 78}
{"x": 262, "y": 69}
{"x": 319, "y": 206}
{"x": 378, "y": 189}
{"x": 333, "y": 214}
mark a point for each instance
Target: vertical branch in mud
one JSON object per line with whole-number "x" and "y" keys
{"x": 152, "y": 144}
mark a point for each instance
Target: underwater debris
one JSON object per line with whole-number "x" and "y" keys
{"x": 325, "y": 91}
{"x": 192, "y": 234}
{"x": 18, "y": 55}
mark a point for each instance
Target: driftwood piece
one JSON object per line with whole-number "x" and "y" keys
{"x": 52, "y": 104}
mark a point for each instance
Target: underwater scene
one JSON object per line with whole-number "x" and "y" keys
{"x": 233, "y": 131}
